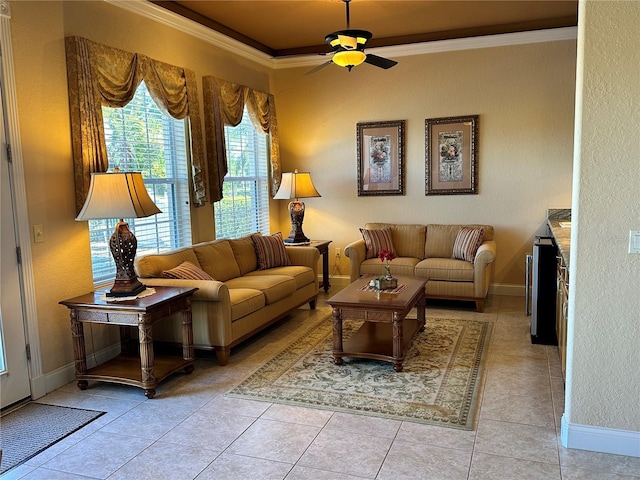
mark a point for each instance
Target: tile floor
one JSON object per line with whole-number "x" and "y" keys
{"x": 191, "y": 431}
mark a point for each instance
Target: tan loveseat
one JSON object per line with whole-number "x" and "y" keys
{"x": 427, "y": 251}
{"x": 242, "y": 300}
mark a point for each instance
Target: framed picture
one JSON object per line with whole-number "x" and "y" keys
{"x": 380, "y": 148}
{"x": 451, "y": 155}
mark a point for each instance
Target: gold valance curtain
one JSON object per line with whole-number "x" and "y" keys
{"x": 100, "y": 75}
{"x": 224, "y": 105}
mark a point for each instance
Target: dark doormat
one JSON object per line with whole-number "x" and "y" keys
{"x": 32, "y": 428}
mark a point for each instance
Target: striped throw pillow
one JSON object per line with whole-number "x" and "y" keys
{"x": 270, "y": 251}
{"x": 377, "y": 240}
{"x": 187, "y": 271}
{"x": 467, "y": 243}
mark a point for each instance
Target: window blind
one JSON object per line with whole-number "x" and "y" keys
{"x": 141, "y": 138}
{"x": 244, "y": 208}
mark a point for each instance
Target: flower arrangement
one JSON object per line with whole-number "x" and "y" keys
{"x": 386, "y": 256}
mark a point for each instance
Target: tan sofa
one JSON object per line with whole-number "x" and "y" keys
{"x": 242, "y": 299}
{"x": 426, "y": 251}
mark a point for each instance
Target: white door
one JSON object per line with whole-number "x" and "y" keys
{"x": 14, "y": 367}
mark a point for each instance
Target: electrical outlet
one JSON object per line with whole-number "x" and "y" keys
{"x": 338, "y": 252}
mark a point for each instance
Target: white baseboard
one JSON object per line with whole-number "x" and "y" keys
{"x": 51, "y": 381}
{"x": 339, "y": 280}
{"x": 507, "y": 289}
{"x": 600, "y": 439}
{"x": 38, "y": 386}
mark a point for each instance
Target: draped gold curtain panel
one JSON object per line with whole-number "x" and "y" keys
{"x": 224, "y": 105}
{"x": 100, "y": 75}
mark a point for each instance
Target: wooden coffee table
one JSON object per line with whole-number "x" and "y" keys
{"x": 385, "y": 333}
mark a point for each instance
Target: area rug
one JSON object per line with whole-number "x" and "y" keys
{"x": 439, "y": 385}
{"x": 30, "y": 429}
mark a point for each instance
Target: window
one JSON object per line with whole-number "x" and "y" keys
{"x": 245, "y": 206}
{"x": 141, "y": 138}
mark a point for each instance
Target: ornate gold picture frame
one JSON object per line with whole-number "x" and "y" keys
{"x": 380, "y": 147}
{"x": 451, "y": 155}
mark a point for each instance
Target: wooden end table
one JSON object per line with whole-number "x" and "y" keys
{"x": 385, "y": 333}
{"x": 144, "y": 370}
{"x": 323, "y": 247}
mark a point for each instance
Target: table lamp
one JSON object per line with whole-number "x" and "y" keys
{"x": 295, "y": 185}
{"x": 120, "y": 195}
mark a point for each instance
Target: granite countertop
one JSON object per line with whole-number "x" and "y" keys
{"x": 561, "y": 234}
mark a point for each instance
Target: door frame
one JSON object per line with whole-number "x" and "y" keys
{"x": 23, "y": 236}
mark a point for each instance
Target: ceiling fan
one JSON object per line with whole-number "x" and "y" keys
{"x": 347, "y": 47}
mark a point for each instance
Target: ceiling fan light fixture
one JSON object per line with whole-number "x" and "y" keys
{"x": 348, "y": 46}
{"x": 347, "y": 42}
{"x": 349, "y": 58}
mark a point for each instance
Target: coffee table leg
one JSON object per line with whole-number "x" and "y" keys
{"x": 421, "y": 313}
{"x": 337, "y": 336}
{"x": 398, "y": 342}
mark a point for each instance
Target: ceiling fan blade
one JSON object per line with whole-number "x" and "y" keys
{"x": 319, "y": 67}
{"x": 379, "y": 61}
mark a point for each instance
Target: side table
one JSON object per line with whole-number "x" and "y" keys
{"x": 323, "y": 247}
{"x": 147, "y": 370}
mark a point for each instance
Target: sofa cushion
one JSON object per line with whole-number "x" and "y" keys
{"x": 274, "y": 287}
{"x": 245, "y": 301}
{"x": 445, "y": 269}
{"x": 245, "y": 254}
{"x": 217, "y": 259}
{"x": 376, "y": 240}
{"x": 467, "y": 243}
{"x": 399, "y": 266}
{"x": 408, "y": 239}
{"x": 270, "y": 251}
{"x": 187, "y": 271}
{"x": 301, "y": 274}
{"x": 440, "y": 239}
{"x": 152, "y": 266}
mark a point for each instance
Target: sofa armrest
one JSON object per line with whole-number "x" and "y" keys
{"x": 305, "y": 256}
{"x": 486, "y": 253}
{"x": 208, "y": 290}
{"x": 483, "y": 268}
{"x": 357, "y": 252}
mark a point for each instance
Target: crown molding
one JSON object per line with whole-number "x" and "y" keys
{"x": 488, "y": 41}
{"x": 173, "y": 20}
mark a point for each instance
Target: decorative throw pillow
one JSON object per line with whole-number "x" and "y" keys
{"x": 467, "y": 243}
{"x": 377, "y": 240}
{"x": 187, "y": 271}
{"x": 270, "y": 251}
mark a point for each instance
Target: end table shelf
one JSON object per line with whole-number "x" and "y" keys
{"x": 144, "y": 370}
{"x": 126, "y": 369}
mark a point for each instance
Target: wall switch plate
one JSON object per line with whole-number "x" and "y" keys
{"x": 38, "y": 234}
{"x": 634, "y": 241}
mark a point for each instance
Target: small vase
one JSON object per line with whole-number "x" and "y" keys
{"x": 388, "y": 276}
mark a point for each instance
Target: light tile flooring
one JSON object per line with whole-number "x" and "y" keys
{"x": 190, "y": 430}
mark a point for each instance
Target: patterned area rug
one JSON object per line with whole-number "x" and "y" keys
{"x": 30, "y": 429}
{"x": 439, "y": 384}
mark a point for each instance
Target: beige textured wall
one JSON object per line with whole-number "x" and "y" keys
{"x": 603, "y": 377}
{"x": 61, "y": 264}
{"x": 524, "y": 96}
